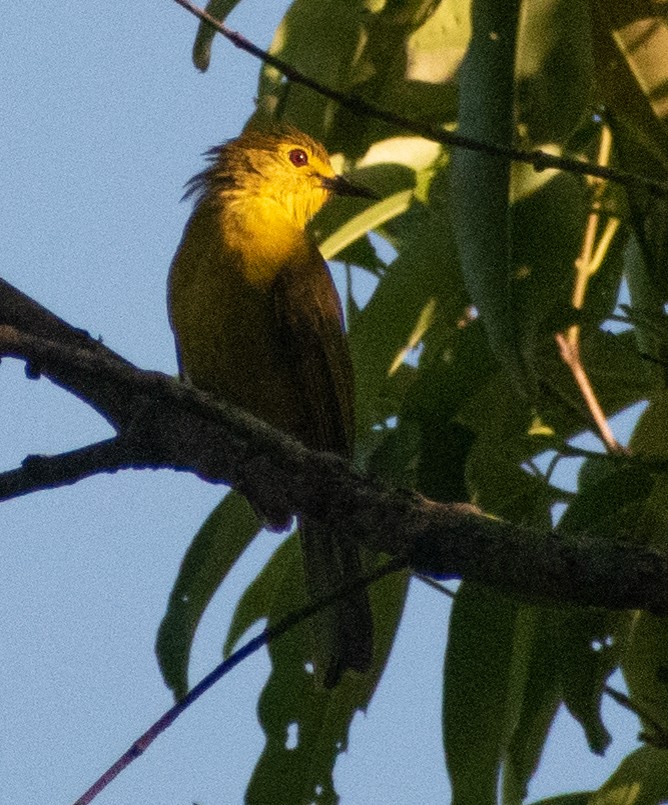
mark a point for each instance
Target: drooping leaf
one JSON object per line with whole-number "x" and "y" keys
{"x": 478, "y": 705}
{"x": 645, "y": 669}
{"x": 539, "y": 704}
{"x": 306, "y": 726}
{"x": 219, "y": 9}
{"x": 225, "y": 534}
{"x": 482, "y": 218}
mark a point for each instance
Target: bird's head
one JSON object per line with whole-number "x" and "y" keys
{"x": 283, "y": 165}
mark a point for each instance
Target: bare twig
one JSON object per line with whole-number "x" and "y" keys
{"x": 658, "y": 736}
{"x": 541, "y": 160}
{"x": 570, "y": 354}
{"x": 587, "y": 264}
{"x": 435, "y": 585}
{"x": 268, "y": 635}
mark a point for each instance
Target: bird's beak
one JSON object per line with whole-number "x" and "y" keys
{"x": 342, "y": 187}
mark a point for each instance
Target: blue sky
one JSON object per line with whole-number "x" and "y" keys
{"x": 104, "y": 119}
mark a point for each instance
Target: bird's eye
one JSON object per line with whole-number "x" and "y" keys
{"x": 298, "y": 157}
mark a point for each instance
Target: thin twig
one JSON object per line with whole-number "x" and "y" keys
{"x": 264, "y": 638}
{"x": 587, "y": 264}
{"x": 570, "y": 355}
{"x": 435, "y": 585}
{"x": 659, "y": 737}
{"x": 541, "y": 160}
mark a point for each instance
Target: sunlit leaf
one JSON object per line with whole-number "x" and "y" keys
{"x": 641, "y": 779}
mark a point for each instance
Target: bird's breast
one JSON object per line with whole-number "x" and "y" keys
{"x": 265, "y": 239}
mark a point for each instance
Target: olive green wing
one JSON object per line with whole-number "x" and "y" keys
{"x": 310, "y": 327}
{"x": 309, "y": 322}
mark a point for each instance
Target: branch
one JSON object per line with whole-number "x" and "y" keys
{"x": 269, "y": 634}
{"x": 47, "y": 472}
{"x": 539, "y": 159}
{"x": 164, "y": 423}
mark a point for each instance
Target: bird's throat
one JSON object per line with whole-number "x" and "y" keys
{"x": 264, "y": 236}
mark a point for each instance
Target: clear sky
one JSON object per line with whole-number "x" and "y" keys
{"x": 104, "y": 119}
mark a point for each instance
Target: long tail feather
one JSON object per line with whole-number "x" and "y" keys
{"x": 343, "y": 632}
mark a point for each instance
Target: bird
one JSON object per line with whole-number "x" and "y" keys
{"x": 257, "y": 322}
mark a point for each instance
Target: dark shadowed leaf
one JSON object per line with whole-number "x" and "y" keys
{"x": 226, "y": 533}
{"x": 306, "y": 726}
{"x": 481, "y": 183}
{"x": 480, "y": 691}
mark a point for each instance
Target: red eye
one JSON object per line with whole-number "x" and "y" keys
{"x": 298, "y": 157}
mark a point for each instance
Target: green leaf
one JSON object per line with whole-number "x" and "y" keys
{"x": 610, "y": 497}
{"x": 224, "y": 536}
{"x": 553, "y": 70}
{"x": 619, "y": 374}
{"x": 403, "y": 68}
{"x": 421, "y": 284}
{"x": 632, "y": 79}
{"x": 650, "y": 437}
{"x": 579, "y": 798}
{"x": 591, "y": 643}
{"x": 219, "y": 9}
{"x": 498, "y": 483}
{"x": 306, "y": 726}
{"x": 433, "y": 55}
{"x": 322, "y": 39}
{"x": 256, "y": 601}
{"x": 548, "y": 227}
{"x": 641, "y": 779}
{"x": 540, "y": 700}
{"x": 480, "y": 690}
{"x": 372, "y": 217}
{"x": 482, "y": 218}
{"x": 644, "y": 268}
{"x": 455, "y": 364}
{"x": 645, "y": 669}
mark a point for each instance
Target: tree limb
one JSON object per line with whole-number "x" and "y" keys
{"x": 164, "y": 423}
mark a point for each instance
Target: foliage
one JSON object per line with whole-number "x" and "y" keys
{"x": 462, "y": 390}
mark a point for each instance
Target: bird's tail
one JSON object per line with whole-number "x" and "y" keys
{"x": 343, "y": 632}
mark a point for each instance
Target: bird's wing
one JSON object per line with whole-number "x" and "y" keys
{"x": 309, "y": 322}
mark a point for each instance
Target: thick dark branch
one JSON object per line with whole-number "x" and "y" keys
{"x": 29, "y": 317}
{"x": 164, "y": 423}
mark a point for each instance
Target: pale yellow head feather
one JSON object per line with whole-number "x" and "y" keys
{"x": 282, "y": 165}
